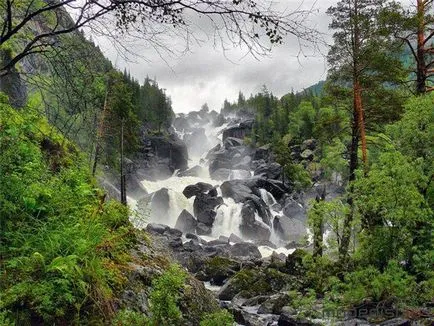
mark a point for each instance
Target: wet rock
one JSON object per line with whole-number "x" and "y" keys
{"x": 213, "y": 192}
{"x": 220, "y": 174}
{"x": 230, "y": 142}
{"x": 251, "y": 227}
{"x": 274, "y": 187}
{"x": 249, "y": 317}
{"x": 217, "y": 269}
{"x": 290, "y": 228}
{"x": 266, "y": 243}
{"x": 263, "y": 153}
{"x": 245, "y": 249}
{"x": 202, "y": 229}
{"x": 157, "y": 203}
{"x": 156, "y": 228}
{"x": 223, "y": 239}
{"x": 234, "y": 238}
{"x": 192, "y": 246}
{"x": 236, "y": 189}
{"x": 175, "y": 243}
{"x": 396, "y": 322}
{"x": 204, "y": 206}
{"x": 198, "y": 188}
{"x": 171, "y": 232}
{"x": 186, "y": 222}
{"x": 269, "y": 171}
{"x": 274, "y": 304}
{"x": 294, "y": 209}
{"x": 287, "y": 319}
{"x": 256, "y": 301}
{"x": 241, "y": 131}
{"x": 172, "y": 148}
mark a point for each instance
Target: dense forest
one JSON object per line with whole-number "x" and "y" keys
{"x": 69, "y": 254}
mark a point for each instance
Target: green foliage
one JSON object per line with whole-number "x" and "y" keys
{"x": 220, "y": 318}
{"x": 63, "y": 248}
{"x": 331, "y": 214}
{"x": 370, "y": 284}
{"x": 304, "y": 303}
{"x": 391, "y": 207}
{"x": 129, "y": 317}
{"x": 165, "y": 295}
{"x": 295, "y": 173}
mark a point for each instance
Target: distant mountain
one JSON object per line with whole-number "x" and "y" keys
{"x": 315, "y": 89}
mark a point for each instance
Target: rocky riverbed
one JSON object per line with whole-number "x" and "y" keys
{"x": 221, "y": 209}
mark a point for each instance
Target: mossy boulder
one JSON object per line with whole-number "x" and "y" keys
{"x": 218, "y": 269}
{"x": 196, "y": 301}
{"x": 253, "y": 282}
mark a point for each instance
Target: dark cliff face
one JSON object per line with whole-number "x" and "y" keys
{"x": 12, "y": 85}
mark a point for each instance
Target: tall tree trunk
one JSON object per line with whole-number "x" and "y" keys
{"x": 358, "y": 131}
{"x": 421, "y": 69}
{"x": 358, "y": 107}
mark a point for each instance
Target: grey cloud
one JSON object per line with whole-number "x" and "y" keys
{"x": 206, "y": 75}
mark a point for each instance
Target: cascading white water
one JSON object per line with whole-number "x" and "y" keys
{"x": 228, "y": 218}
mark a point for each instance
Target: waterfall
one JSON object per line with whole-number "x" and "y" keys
{"x": 228, "y": 215}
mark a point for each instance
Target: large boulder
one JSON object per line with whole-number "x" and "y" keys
{"x": 276, "y": 188}
{"x": 231, "y": 142}
{"x": 263, "y": 153}
{"x": 220, "y": 174}
{"x": 294, "y": 209}
{"x": 251, "y": 227}
{"x": 245, "y": 249}
{"x": 156, "y": 203}
{"x": 269, "y": 171}
{"x": 204, "y": 208}
{"x": 240, "y": 131}
{"x": 238, "y": 190}
{"x": 289, "y": 229}
{"x": 274, "y": 304}
{"x": 198, "y": 188}
{"x": 170, "y": 147}
{"x": 203, "y": 229}
{"x": 186, "y": 222}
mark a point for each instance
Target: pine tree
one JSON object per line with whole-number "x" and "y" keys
{"x": 362, "y": 67}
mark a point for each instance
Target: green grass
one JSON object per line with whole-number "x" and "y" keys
{"x": 63, "y": 247}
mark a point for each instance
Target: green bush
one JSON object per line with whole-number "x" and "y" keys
{"x": 128, "y": 317}
{"x": 63, "y": 247}
{"x": 370, "y": 284}
{"x": 220, "y": 318}
{"x": 165, "y": 295}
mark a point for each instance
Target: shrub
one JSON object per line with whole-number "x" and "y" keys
{"x": 165, "y": 295}
{"x": 220, "y": 318}
{"x": 63, "y": 248}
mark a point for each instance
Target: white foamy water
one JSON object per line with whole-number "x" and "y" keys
{"x": 228, "y": 215}
{"x": 228, "y": 219}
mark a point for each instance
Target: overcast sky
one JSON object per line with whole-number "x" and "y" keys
{"x": 206, "y": 75}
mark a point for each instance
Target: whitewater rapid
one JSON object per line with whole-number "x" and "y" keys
{"x": 228, "y": 218}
